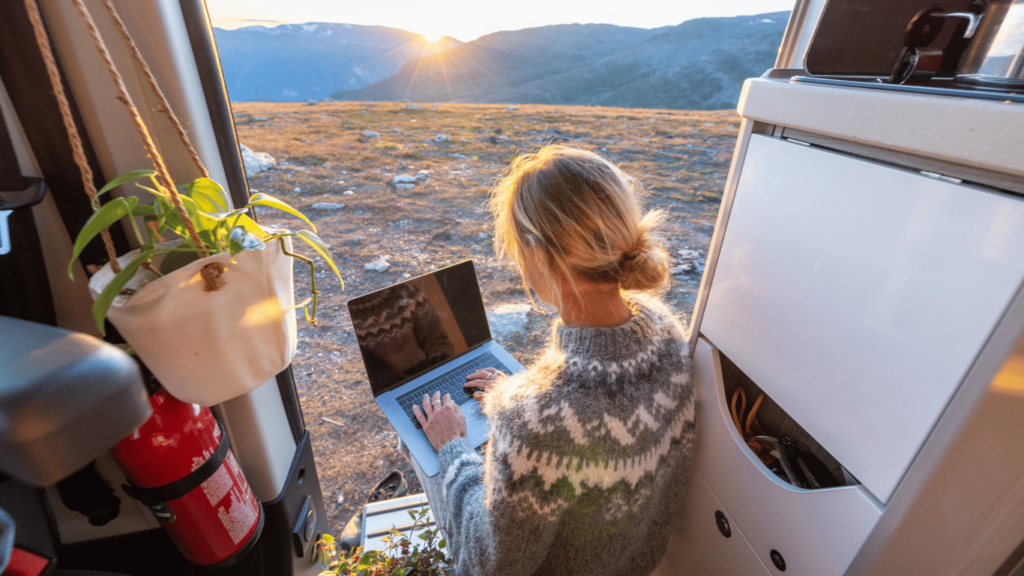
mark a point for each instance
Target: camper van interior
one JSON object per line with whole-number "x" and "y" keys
{"x": 865, "y": 280}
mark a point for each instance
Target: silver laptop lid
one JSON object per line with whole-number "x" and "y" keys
{"x": 409, "y": 328}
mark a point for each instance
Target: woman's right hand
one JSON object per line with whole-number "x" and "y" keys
{"x": 481, "y": 379}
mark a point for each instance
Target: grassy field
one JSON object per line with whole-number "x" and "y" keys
{"x": 681, "y": 158}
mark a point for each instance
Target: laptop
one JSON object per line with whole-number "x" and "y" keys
{"x": 423, "y": 335}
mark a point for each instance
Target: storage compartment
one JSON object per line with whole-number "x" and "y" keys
{"x": 795, "y": 456}
{"x": 816, "y": 532}
{"x": 857, "y": 295}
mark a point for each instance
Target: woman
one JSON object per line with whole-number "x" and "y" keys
{"x": 590, "y": 446}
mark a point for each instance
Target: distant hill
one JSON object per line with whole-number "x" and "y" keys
{"x": 699, "y": 64}
{"x": 295, "y": 62}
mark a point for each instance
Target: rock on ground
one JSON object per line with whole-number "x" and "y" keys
{"x": 371, "y": 134}
{"x": 404, "y": 179}
{"x": 328, "y": 206}
{"x": 508, "y": 319}
{"x": 379, "y": 265}
{"x": 256, "y": 162}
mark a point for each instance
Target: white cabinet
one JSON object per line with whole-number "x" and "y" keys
{"x": 857, "y": 295}
{"x": 697, "y": 546}
{"x": 817, "y": 532}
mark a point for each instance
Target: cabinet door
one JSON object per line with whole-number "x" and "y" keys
{"x": 697, "y": 546}
{"x": 857, "y": 295}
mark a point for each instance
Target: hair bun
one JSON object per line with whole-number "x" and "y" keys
{"x": 645, "y": 266}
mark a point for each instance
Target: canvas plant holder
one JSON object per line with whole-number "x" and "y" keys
{"x": 208, "y": 346}
{"x": 207, "y": 340}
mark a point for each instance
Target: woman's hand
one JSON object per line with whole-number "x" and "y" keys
{"x": 441, "y": 419}
{"x": 481, "y": 379}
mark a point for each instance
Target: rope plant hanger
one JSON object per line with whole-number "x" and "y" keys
{"x": 219, "y": 294}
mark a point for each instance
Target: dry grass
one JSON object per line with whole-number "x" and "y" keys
{"x": 681, "y": 157}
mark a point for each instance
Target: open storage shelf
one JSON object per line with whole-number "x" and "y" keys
{"x": 816, "y": 531}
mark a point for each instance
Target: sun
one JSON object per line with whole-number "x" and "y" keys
{"x": 432, "y": 37}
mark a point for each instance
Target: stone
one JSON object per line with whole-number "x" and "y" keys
{"x": 379, "y": 265}
{"x": 680, "y": 269}
{"x": 356, "y": 240}
{"x": 688, "y": 254}
{"x": 312, "y": 102}
{"x": 297, "y": 190}
{"x": 256, "y": 162}
{"x": 347, "y": 193}
{"x": 511, "y": 108}
{"x": 328, "y": 206}
{"x": 442, "y": 138}
{"x": 395, "y": 130}
{"x": 708, "y": 124}
{"x": 413, "y": 107}
{"x": 508, "y": 319}
{"x": 371, "y": 134}
{"x": 422, "y": 175}
{"x": 405, "y": 186}
{"x": 404, "y": 179}
{"x": 483, "y": 236}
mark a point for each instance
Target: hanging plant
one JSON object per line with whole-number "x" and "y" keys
{"x": 210, "y": 311}
{"x": 217, "y": 230}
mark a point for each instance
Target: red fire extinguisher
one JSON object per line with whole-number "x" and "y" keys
{"x": 179, "y": 465}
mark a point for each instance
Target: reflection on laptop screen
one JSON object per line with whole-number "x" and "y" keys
{"x": 409, "y": 328}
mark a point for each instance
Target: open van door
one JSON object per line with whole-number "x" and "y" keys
{"x": 866, "y": 277}
{"x": 88, "y": 522}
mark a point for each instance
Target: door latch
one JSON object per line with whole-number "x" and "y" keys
{"x": 10, "y": 201}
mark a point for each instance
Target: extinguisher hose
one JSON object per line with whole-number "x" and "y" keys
{"x": 179, "y": 488}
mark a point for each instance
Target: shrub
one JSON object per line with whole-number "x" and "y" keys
{"x": 400, "y": 556}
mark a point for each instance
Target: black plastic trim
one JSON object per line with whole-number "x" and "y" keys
{"x": 204, "y": 49}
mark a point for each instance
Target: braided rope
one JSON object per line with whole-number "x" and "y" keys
{"x": 147, "y": 141}
{"x": 165, "y": 106}
{"x": 69, "y": 122}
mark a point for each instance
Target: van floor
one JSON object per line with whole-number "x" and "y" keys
{"x": 681, "y": 157}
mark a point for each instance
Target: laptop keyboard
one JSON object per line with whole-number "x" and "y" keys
{"x": 451, "y": 382}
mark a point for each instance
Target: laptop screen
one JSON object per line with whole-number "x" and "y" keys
{"x": 406, "y": 329}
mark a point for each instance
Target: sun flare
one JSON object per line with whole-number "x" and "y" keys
{"x": 432, "y": 37}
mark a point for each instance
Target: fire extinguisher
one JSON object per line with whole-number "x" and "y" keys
{"x": 179, "y": 464}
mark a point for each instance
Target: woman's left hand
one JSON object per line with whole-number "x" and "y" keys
{"x": 441, "y": 419}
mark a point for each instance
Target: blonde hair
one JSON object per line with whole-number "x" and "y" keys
{"x": 582, "y": 211}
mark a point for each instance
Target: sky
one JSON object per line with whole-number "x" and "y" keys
{"x": 467, "y": 20}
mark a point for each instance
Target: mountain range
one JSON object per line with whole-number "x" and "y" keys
{"x": 699, "y": 64}
{"x": 295, "y": 62}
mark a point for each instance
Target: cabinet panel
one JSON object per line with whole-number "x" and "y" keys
{"x": 818, "y": 532}
{"x": 698, "y": 547}
{"x": 858, "y": 294}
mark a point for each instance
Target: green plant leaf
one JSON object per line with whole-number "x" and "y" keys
{"x": 100, "y": 220}
{"x": 144, "y": 210}
{"x": 317, "y": 244}
{"x": 176, "y": 260}
{"x": 124, "y": 178}
{"x": 113, "y": 289}
{"x": 442, "y": 544}
{"x": 208, "y": 194}
{"x": 262, "y": 199}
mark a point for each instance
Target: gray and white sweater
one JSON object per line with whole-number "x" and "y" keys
{"x": 588, "y": 455}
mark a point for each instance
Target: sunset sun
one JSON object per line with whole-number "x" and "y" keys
{"x": 432, "y": 37}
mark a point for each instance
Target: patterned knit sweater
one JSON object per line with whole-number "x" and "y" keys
{"x": 587, "y": 459}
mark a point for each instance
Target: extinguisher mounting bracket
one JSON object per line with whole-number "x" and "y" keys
{"x": 168, "y": 492}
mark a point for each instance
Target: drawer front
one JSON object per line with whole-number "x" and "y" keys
{"x": 857, "y": 295}
{"x": 698, "y": 547}
{"x": 817, "y": 532}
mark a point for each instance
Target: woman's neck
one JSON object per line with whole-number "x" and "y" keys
{"x": 596, "y": 306}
